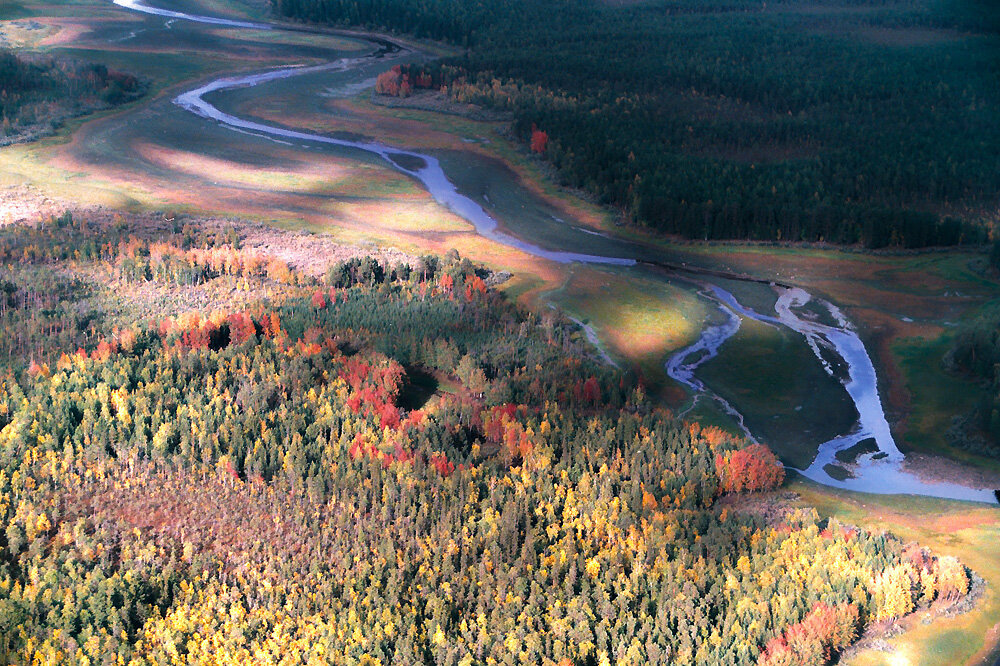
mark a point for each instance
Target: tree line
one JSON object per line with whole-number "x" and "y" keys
{"x": 975, "y": 352}
{"x": 37, "y": 94}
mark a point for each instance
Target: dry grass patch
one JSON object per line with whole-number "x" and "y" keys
{"x": 305, "y": 178}
{"x": 312, "y": 254}
{"x": 24, "y": 203}
{"x": 25, "y": 33}
{"x": 446, "y": 131}
{"x": 291, "y": 39}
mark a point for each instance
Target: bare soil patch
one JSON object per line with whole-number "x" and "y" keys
{"x": 313, "y": 254}
{"x": 25, "y": 203}
{"x": 936, "y": 468}
{"x": 772, "y": 507}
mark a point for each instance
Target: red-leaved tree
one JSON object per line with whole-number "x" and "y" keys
{"x": 822, "y": 633}
{"x": 750, "y": 469}
{"x": 539, "y": 140}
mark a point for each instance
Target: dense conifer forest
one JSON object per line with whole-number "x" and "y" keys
{"x": 976, "y": 352}
{"x": 865, "y": 122}
{"x": 386, "y": 465}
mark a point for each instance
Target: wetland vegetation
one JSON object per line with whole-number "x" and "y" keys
{"x": 976, "y": 352}
{"x": 37, "y": 94}
{"x": 223, "y": 441}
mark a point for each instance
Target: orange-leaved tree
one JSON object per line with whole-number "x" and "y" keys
{"x": 751, "y": 468}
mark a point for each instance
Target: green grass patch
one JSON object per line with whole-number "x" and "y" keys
{"x": 772, "y": 377}
{"x": 448, "y": 385}
{"x": 971, "y": 269}
{"x": 521, "y": 284}
{"x": 754, "y": 295}
{"x": 639, "y": 320}
{"x": 639, "y": 317}
{"x": 937, "y": 397}
{"x": 225, "y": 8}
{"x": 293, "y": 39}
{"x": 850, "y": 455}
{"x": 948, "y": 647}
{"x": 709, "y": 413}
{"x": 161, "y": 69}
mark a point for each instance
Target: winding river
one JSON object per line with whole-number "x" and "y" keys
{"x": 880, "y": 471}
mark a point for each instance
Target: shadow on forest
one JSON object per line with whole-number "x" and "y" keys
{"x": 420, "y": 386}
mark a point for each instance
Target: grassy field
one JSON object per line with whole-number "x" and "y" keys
{"x": 641, "y": 323}
{"x": 936, "y": 397}
{"x": 905, "y": 307}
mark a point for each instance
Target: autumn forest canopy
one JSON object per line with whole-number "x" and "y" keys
{"x": 222, "y": 441}
{"x": 384, "y": 464}
{"x": 860, "y": 121}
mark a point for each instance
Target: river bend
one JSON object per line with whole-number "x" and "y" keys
{"x": 881, "y": 471}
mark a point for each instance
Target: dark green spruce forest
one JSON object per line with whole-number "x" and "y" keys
{"x": 857, "y": 121}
